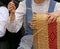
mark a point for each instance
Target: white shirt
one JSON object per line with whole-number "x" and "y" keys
{"x": 21, "y": 11}
{"x": 3, "y": 19}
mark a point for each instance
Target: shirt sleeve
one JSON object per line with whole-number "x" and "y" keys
{"x": 57, "y": 7}
{"x": 3, "y": 19}
{"x": 19, "y": 14}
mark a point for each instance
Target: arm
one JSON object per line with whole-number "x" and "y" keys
{"x": 3, "y": 19}
{"x": 53, "y": 16}
{"x": 17, "y": 21}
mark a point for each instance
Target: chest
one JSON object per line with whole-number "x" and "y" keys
{"x": 40, "y": 9}
{"x": 37, "y": 8}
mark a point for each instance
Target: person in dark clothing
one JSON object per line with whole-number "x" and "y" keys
{"x": 4, "y": 14}
{"x": 12, "y": 39}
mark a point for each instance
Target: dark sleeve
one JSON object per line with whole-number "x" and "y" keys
{"x": 5, "y": 2}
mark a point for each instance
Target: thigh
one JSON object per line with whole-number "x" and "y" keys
{"x": 26, "y": 42}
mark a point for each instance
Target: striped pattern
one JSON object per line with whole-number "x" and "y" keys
{"x": 45, "y": 36}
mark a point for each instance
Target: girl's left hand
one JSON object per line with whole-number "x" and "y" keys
{"x": 52, "y": 17}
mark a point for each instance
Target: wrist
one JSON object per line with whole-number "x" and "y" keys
{"x": 57, "y": 13}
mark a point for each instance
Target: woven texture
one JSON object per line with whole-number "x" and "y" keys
{"x": 46, "y": 36}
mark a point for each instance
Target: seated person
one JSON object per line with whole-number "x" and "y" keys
{"x": 25, "y": 10}
{"x": 4, "y": 14}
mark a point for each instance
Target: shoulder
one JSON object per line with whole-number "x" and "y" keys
{"x": 57, "y": 3}
{"x": 57, "y": 7}
{"x": 22, "y": 6}
{"x": 3, "y": 8}
{"x": 4, "y": 11}
{"x": 23, "y": 2}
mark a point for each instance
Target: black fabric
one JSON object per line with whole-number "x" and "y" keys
{"x": 14, "y": 38}
{"x": 5, "y": 2}
{"x": 1, "y": 4}
{"x": 4, "y": 45}
{"x": 57, "y": 0}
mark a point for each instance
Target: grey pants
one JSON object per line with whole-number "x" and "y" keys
{"x": 4, "y": 45}
{"x": 26, "y": 42}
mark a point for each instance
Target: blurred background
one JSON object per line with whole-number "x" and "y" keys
{"x": 16, "y": 1}
{"x": 57, "y": 0}
{"x": 5, "y": 2}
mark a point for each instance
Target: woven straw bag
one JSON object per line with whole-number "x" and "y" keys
{"x": 46, "y": 36}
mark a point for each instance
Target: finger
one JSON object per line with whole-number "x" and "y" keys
{"x": 35, "y": 13}
{"x": 55, "y": 18}
{"x": 10, "y": 9}
{"x": 34, "y": 17}
{"x": 50, "y": 20}
{"x": 11, "y": 3}
{"x": 12, "y": 0}
{"x": 32, "y": 24}
{"x": 11, "y": 6}
{"x": 33, "y": 20}
{"x": 48, "y": 16}
{"x": 14, "y": 7}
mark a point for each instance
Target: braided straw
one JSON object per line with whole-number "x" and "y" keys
{"x": 40, "y": 30}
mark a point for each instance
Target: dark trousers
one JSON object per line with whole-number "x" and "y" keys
{"x": 4, "y": 45}
{"x": 14, "y": 38}
{"x": 11, "y": 40}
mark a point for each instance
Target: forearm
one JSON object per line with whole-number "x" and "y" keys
{"x": 2, "y": 28}
{"x": 11, "y": 23}
{"x": 17, "y": 20}
{"x": 4, "y": 14}
{"x": 15, "y": 25}
{"x": 57, "y": 13}
{"x": 12, "y": 16}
